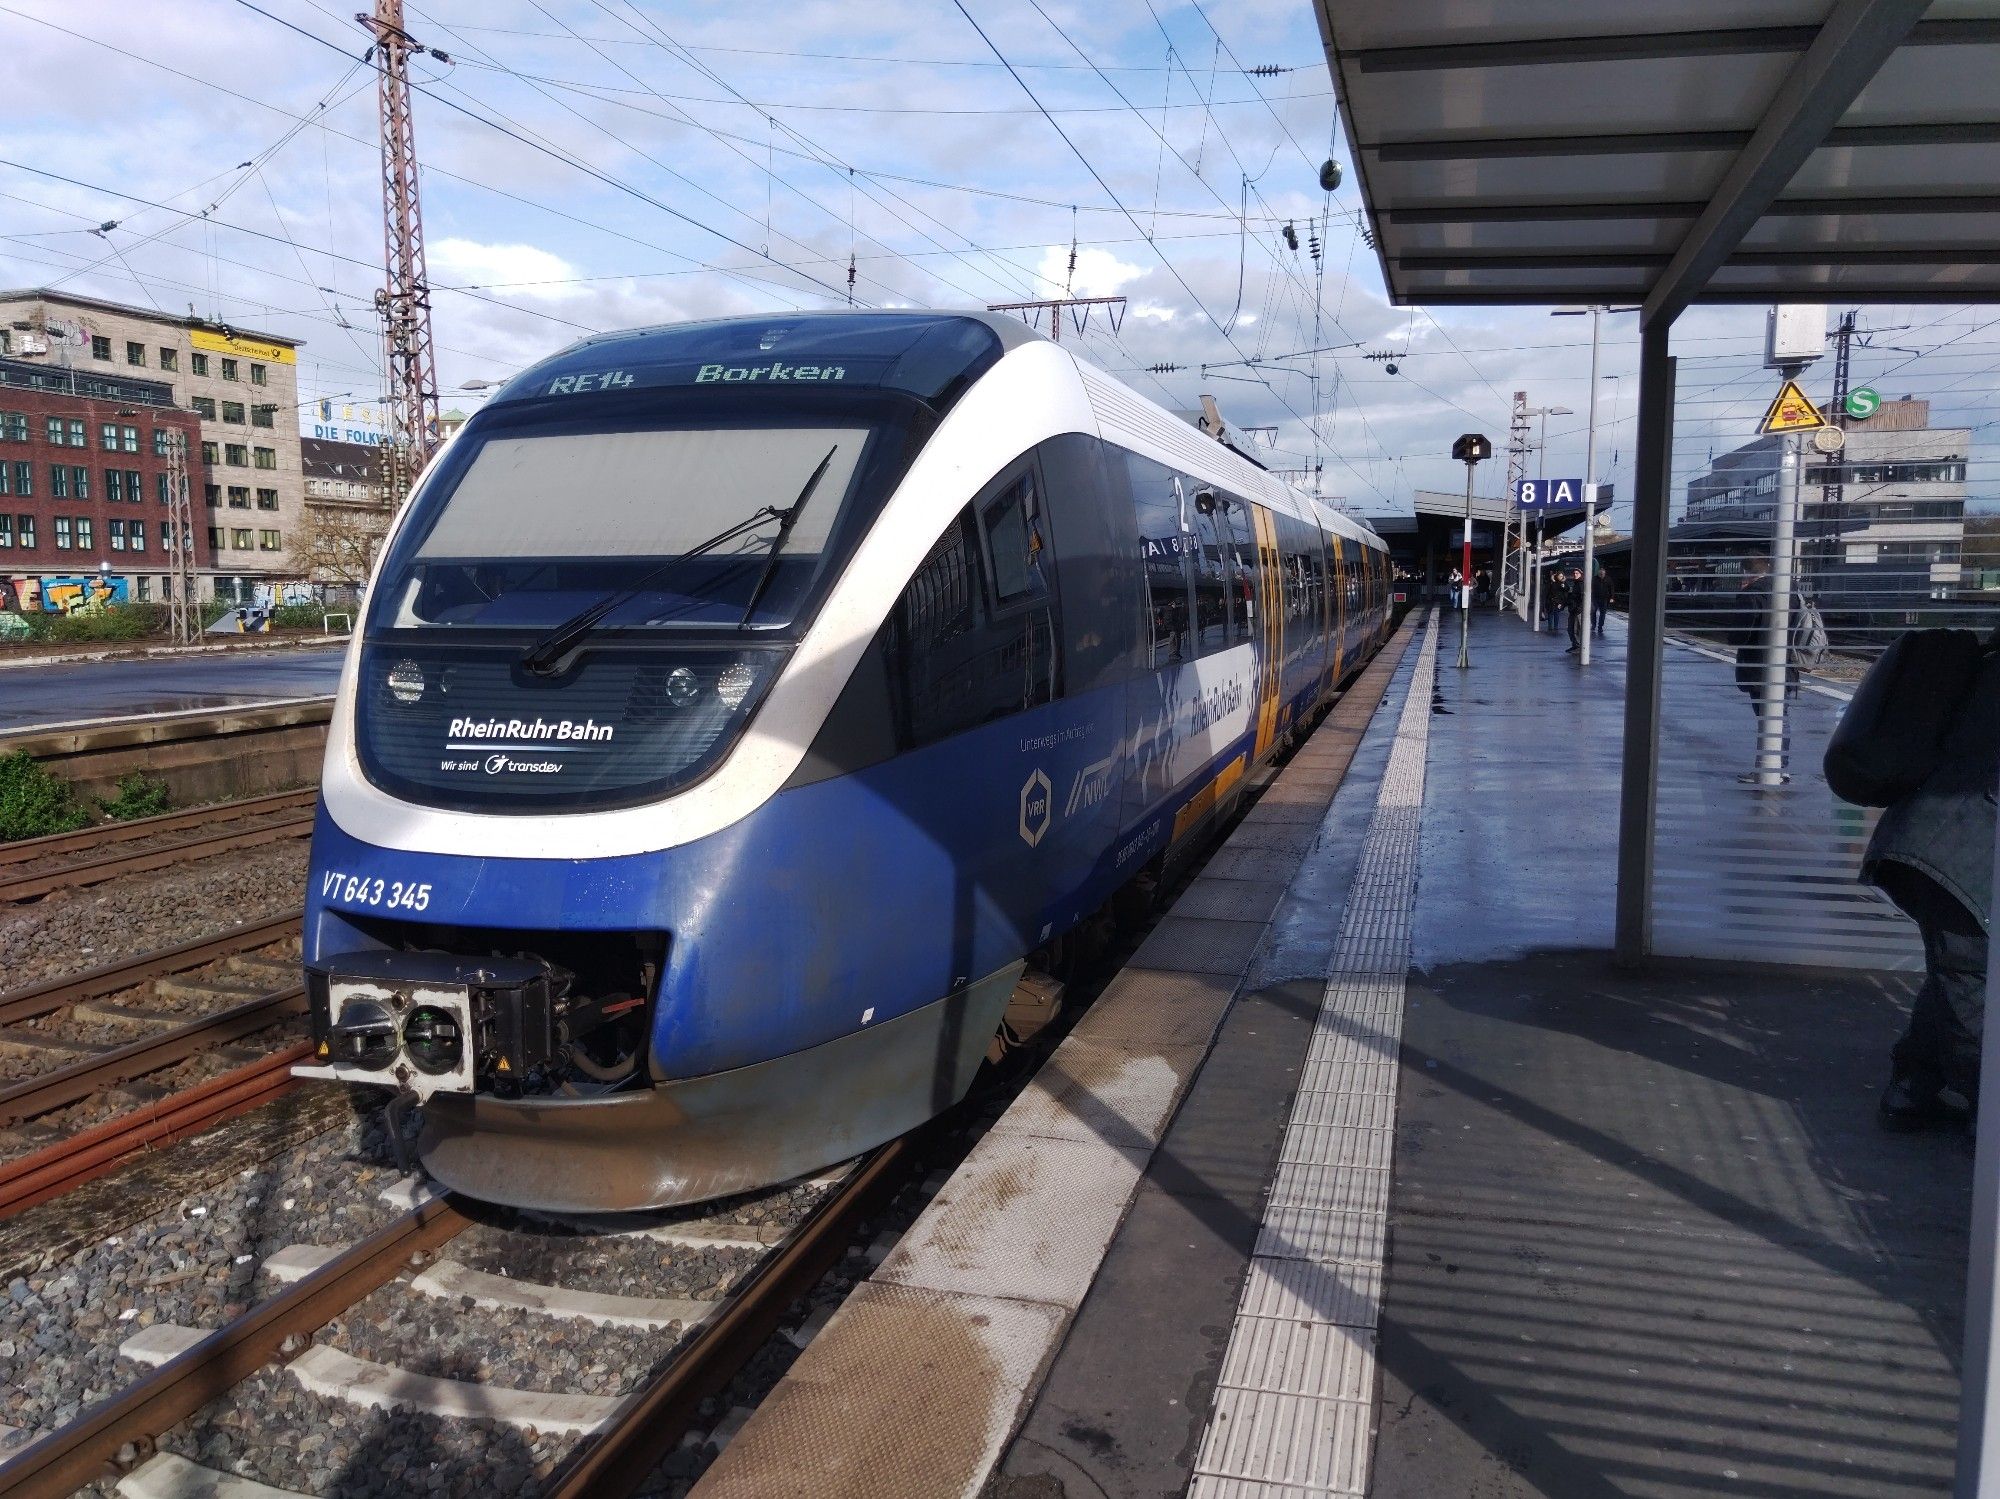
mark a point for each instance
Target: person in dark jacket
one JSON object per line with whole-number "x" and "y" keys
{"x": 1932, "y": 854}
{"x": 1573, "y": 602}
{"x": 1600, "y": 598}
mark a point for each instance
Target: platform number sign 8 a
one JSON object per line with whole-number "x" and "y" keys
{"x": 1548, "y": 494}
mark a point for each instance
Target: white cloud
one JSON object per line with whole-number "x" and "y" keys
{"x": 1099, "y": 273}
{"x": 525, "y": 269}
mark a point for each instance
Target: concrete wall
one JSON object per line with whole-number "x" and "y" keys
{"x": 202, "y": 757}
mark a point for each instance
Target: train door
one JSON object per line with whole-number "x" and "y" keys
{"x": 1336, "y": 606}
{"x": 1271, "y": 636}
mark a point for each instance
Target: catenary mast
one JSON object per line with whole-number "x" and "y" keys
{"x": 404, "y": 305}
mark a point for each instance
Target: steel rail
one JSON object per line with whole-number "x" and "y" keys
{"x": 24, "y": 849}
{"x": 74, "y": 1455}
{"x": 653, "y": 1419}
{"x": 43, "y": 999}
{"x": 95, "y": 871}
{"x": 65, "y": 1085}
{"x": 83, "y": 1157}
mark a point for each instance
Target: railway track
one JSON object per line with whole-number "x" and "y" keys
{"x": 196, "y": 1004}
{"x": 700, "y": 1344}
{"x": 33, "y": 867}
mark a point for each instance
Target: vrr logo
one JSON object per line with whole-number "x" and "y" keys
{"x": 1036, "y": 800}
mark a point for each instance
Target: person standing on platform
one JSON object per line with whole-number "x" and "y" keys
{"x": 1573, "y": 602}
{"x": 1751, "y": 618}
{"x": 1932, "y": 854}
{"x": 1600, "y": 598}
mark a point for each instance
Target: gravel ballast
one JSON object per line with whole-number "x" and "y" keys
{"x": 69, "y": 931}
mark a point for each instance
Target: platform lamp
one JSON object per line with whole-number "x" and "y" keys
{"x": 1471, "y": 450}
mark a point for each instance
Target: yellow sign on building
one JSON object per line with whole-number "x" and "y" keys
{"x": 249, "y": 348}
{"x": 1791, "y": 412}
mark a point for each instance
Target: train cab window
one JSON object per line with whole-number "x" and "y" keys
{"x": 973, "y": 637}
{"x": 1164, "y": 544}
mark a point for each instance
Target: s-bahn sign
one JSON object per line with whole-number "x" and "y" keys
{"x": 1559, "y": 494}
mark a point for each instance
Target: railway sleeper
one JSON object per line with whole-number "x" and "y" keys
{"x": 200, "y": 991}
{"x": 167, "y": 1475}
{"x": 103, "y": 1009}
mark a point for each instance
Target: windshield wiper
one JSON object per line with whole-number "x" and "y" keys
{"x": 784, "y": 529}
{"x": 547, "y": 656}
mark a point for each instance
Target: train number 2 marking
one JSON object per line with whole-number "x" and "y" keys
{"x": 359, "y": 890}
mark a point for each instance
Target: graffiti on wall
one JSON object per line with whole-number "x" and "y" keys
{"x": 81, "y": 595}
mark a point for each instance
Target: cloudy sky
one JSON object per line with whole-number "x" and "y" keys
{"x": 595, "y": 164}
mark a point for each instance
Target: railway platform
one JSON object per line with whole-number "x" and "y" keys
{"x": 1374, "y": 1175}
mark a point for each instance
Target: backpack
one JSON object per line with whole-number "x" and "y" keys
{"x": 1887, "y": 742}
{"x": 1809, "y": 642}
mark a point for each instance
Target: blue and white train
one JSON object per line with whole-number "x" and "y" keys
{"x": 740, "y": 705}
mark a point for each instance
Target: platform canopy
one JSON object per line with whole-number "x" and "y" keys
{"x": 1602, "y": 151}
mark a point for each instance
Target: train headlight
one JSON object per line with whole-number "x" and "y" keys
{"x": 434, "y": 1039}
{"x": 683, "y": 687}
{"x": 406, "y": 681}
{"x": 734, "y": 685}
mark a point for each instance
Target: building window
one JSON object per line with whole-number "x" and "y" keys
{"x": 160, "y": 442}
{"x": 79, "y": 483}
{"x": 137, "y": 530}
{"x": 214, "y": 539}
{"x": 135, "y": 491}
{"x": 84, "y": 540}
{"x": 15, "y": 426}
{"x": 167, "y": 536}
{"x": 267, "y": 499}
{"x": 199, "y": 363}
{"x": 263, "y": 416}
{"x": 54, "y": 428}
{"x": 269, "y": 541}
{"x": 24, "y": 478}
{"x": 62, "y": 533}
{"x": 59, "y": 481}
{"x": 256, "y": 374}
{"x": 108, "y": 434}
{"x": 6, "y": 472}
{"x": 236, "y": 455}
{"x": 211, "y": 494}
{"x": 100, "y": 348}
{"x": 239, "y": 539}
{"x": 118, "y": 536}
{"x": 145, "y": 587}
{"x": 76, "y": 433}
{"x": 204, "y": 407}
{"x": 239, "y": 497}
{"x": 232, "y": 411}
{"x": 209, "y": 454}
{"x": 128, "y": 439}
{"x": 6, "y": 531}
{"x": 161, "y": 489}
{"x": 135, "y": 353}
{"x": 25, "y": 531}
{"x": 170, "y": 359}
{"x": 266, "y": 457}
{"x": 114, "y": 485}
{"x": 228, "y": 369}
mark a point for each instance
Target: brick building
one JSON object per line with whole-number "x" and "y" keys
{"x": 83, "y": 487}
{"x": 241, "y": 386}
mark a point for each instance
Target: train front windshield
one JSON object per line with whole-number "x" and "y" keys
{"x": 584, "y": 613}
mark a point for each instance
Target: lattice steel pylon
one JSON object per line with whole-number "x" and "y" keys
{"x": 405, "y": 303}
{"x": 1514, "y": 556}
{"x": 183, "y": 608}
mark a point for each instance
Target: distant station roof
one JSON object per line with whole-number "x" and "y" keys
{"x": 1714, "y": 150}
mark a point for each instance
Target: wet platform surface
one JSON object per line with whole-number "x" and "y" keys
{"x": 1639, "y": 1234}
{"x": 33, "y": 697}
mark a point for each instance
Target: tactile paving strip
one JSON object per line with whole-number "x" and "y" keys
{"x": 1294, "y": 1408}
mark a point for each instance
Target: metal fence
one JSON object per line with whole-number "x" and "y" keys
{"x": 1792, "y": 562}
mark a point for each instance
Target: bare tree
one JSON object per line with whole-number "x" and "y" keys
{"x": 338, "y": 544}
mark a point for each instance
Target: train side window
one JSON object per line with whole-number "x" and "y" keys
{"x": 1199, "y": 503}
{"x": 1164, "y": 543}
{"x": 973, "y": 637}
{"x": 1234, "y": 515}
{"x": 1097, "y": 565}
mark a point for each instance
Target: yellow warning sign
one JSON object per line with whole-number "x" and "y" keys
{"x": 1791, "y": 412}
